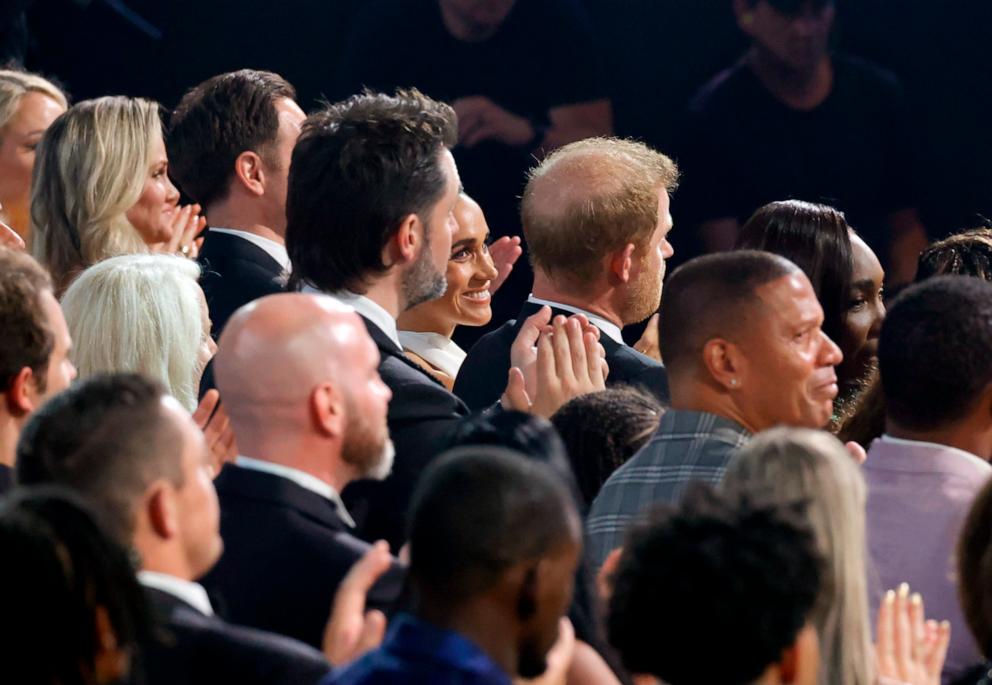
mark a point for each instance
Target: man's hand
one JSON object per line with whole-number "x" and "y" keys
{"x": 351, "y": 631}
{"x": 650, "y": 343}
{"x": 213, "y": 420}
{"x": 504, "y": 252}
{"x": 559, "y": 658}
{"x": 568, "y": 362}
{"x": 480, "y": 119}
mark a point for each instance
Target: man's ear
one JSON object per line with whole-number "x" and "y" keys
{"x": 22, "y": 393}
{"x": 406, "y": 243}
{"x": 725, "y": 363}
{"x": 621, "y": 263}
{"x": 249, "y": 172}
{"x": 327, "y": 410}
{"x": 800, "y": 662}
{"x": 162, "y": 510}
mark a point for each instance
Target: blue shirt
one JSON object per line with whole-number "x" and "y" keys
{"x": 416, "y": 652}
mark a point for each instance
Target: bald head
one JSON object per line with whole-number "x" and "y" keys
{"x": 591, "y": 198}
{"x": 276, "y": 349}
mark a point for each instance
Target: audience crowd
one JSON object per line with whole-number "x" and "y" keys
{"x": 239, "y": 441}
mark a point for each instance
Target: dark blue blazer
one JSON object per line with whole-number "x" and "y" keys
{"x": 235, "y": 272}
{"x": 195, "y": 649}
{"x": 286, "y": 550}
{"x": 483, "y": 374}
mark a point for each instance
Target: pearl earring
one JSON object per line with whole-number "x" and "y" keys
{"x": 733, "y": 382}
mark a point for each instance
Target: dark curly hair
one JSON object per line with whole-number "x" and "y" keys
{"x": 359, "y": 167}
{"x": 721, "y": 569}
{"x": 966, "y": 254}
{"x": 602, "y": 430}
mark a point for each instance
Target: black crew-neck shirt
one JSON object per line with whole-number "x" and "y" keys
{"x": 743, "y": 148}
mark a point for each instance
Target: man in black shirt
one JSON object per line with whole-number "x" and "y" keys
{"x": 790, "y": 120}
{"x": 523, "y": 77}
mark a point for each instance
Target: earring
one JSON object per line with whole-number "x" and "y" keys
{"x": 733, "y": 382}
{"x": 748, "y": 18}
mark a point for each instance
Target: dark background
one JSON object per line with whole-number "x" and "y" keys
{"x": 657, "y": 52}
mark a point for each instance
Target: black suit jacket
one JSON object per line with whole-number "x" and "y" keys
{"x": 6, "y": 479}
{"x": 235, "y": 272}
{"x": 193, "y": 648}
{"x": 285, "y": 552}
{"x": 423, "y": 417}
{"x": 482, "y": 377}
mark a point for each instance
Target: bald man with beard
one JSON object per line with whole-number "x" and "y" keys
{"x": 298, "y": 374}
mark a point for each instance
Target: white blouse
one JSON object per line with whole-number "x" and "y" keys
{"x": 436, "y": 349}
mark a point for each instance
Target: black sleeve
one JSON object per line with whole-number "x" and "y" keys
{"x": 901, "y": 187}
{"x": 574, "y": 70}
{"x": 706, "y": 160}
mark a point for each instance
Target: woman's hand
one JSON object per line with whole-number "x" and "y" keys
{"x": 649, "y": 344}
{"x": 213, "y": 420}
{"x": 186, "y": 225}
{"x": 504, "y": 252}
{"x": 910, "y": 649}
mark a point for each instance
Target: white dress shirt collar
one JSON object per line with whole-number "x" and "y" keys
{"x": 301, "y": 478}
{"x": 947, "y": 449}
{"x": 372, "y": 311}
{"x": 607, "y": 327}
{"x": 275, "y": 250}
{"x": 444, "y": 353}
{"x": 186, "y": 590}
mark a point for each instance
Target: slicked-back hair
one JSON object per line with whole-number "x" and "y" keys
{"x": 935, "y": 351}
{"x": 720, "y": 569}
{"x": 218, "y": 120}
{"x": 107, "y": 439}
{"x": 814, "y": 237}
{"x": 964, "y": 254}
{"x": 60, "y": 569}
{"x": 477, "y": 512}
{"x": 26, "y": 339}
{"x": 569, "y": 233}
{"x": 359, "y": 168}
{"x": 711, "y": 296}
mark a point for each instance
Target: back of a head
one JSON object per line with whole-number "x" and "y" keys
{"x": 796, "y": 464}
{"x": 602, "y": 430}
{"x": 477, "y": 512}
{"x": 935, "y": 351}
{"x": 139, "y": 313}
{"x": 964, "y": 254}
{"x": 106, "y": 438}
{"x": 15, "y": 84}
{"x": 974, "y": 567}
{"x": 27, "y": 338}
{"x": 218, "y": 120}
{"x": 359, "y": 168}
{"x": 520, "y": 432}
{"x": 712, "y": 296}
{"x": 90, "y": 169}
{"x": 62, "y": 571}
{"x": 588, "y": 199}
{"x": 719, "y": 570}
{"x": 814, "y": 237}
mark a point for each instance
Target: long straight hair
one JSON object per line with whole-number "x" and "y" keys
{"x": 812, "y": 466}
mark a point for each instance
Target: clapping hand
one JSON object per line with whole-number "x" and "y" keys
{"x": 504, "y": 252}
{"x": 186, "y": 225}
{"x": 10, "y": 239}
{"x": 213, "y": 420}
{"x": 650, "y": 342}
{"x": 568, "y": 361}
{"x": 351, "y": 631}
{"x": 559, "y": 658}
{"x": 480, "y": 119}
{"x": 909, "y": 650}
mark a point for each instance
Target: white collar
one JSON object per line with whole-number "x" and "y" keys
{"x": 301, "y": 478}
{"x": 186, "y": 590}
{"x": 371, "y": 310}
{"x": 886, "y": 438}
{"x": 442, "y": 352}
{"x": 608, "y": 327}
{"x": 275, "y": 250}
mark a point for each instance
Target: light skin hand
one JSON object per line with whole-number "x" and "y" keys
{"x": 10, "y": 239}
{"x": 649, "y": 344}
{"x": 559, "y": 658}
{"x": 352, "y": 631}
{"x": 909, "y": 649}
{"x": 212, "y": 418}
{"x": 186, "y": 224}
{"x": 504, "y": 252}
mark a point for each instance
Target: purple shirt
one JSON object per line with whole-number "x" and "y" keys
{"x": 918, "y": 496}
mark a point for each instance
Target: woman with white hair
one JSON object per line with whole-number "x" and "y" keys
{"x": 142, "y": 313}
{"x": 101, "y": 188}
{"x": 28, "y": 106}
{"x": 813, "y": 468}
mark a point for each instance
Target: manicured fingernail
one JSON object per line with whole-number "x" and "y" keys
{"x": 890, "y": 597}
{"x": 945, "y": 625}
{"x": 916, "y": 599}
{"x": 904, "y": 591}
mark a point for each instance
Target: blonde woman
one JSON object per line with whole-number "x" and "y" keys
{"x": 101, "y": 188}
{"x": 28, "y": 106}
{"x": 814, "y": 467}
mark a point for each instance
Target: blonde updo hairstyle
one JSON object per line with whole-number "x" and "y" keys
{"x": 14, "y": 85}
{"x": 90, "y": 170}
{"x": 139, "y": 313}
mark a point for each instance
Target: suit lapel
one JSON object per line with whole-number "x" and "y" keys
{"x": 388, "y": 348}
{"x": 267, "y": 487}
{"x": 218, "y": 247}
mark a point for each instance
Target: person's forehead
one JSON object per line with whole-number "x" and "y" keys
{"x": 789, "y": 298}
